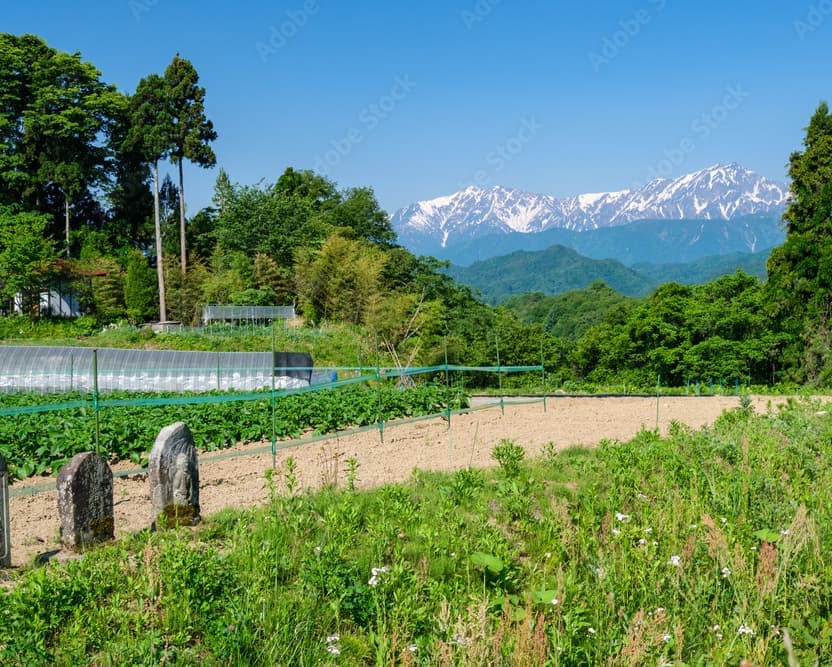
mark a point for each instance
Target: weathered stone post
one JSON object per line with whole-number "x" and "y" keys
{"x": 173, "y": 472}
{"x": 85, "y": 501}
{"x": 5, "y": 528}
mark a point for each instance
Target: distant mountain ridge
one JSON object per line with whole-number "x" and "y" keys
{"x": 723, "y": 192}
{"x": 559, "y": 269}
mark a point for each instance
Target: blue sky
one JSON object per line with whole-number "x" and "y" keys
{"x": 419, "y": 99}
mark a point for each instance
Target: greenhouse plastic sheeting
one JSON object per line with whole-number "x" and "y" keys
{"x": 64, "y": 369}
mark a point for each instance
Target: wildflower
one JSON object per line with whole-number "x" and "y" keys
{"x": 555, "y": 602}
{"x": 726, "y": 573}
{"x": 693, "y": 526}
{"x": 641, "y": 496}
{"x": 548, "y": 554}
{"x": 622, "y": 517}
{"x": 615, "y": 531}
{"x": 461, "y": 640}
{"x": 675, "y": 561}
{"x": 716, "y": 631}
{"x": 648, "y": 530}
{"x": 643, "y": 541}
{"x": 231, "y": 628}
{"x": 591, "y": 631}
{"x": 745, "y": 630}
{"x": 413, "y": 648}
{"x": 666, "y": 639}
{"x": 332, "y": 645}
{"x": 723, "y": 520}
{"x": 317, "y": 550}
{"x": 374, "y": 574}
{"x": 659, "y": 610}
{"x": 784, "y": 532}
{"x": 599, "y": 571}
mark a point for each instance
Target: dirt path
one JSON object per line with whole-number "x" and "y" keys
{"x": 428, "y": 445}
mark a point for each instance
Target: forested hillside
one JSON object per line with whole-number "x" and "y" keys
{"x": 82, "y": 202}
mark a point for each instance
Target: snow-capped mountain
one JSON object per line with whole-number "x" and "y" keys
{"x": 721, "y": 192}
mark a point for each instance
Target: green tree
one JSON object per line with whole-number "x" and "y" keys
{"x": 149, "y": 137}
{"x": 340, "y": 280}
{"x": 25, "y": 253}
{"x": 191, "y": 131}
{"x": 56, "y": 116}
{"x": 139, "y": 297}
{"x": 800, "y": 271}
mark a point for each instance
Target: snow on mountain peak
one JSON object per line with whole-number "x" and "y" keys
{"x": 721, "y": 191}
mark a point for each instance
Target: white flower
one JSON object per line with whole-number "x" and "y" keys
{"x": 461, "y": 640}
{"x": 615, "y": 531}
{"x": 333, "y": 649}
{"x": 622, "y": 517}
{"x": 745, "y": 630}
{"x": 666, "y": 639}
{"x": 675, "y": 561}
{"x": 591, "y": 631}
{"x": 413, "y": 648}
{"x": 693, "y": 526}
{"x": 555, "y": 602}
{"x": 374, "y": 574}
{"x": 659, "y": 610}
{"x": 643, "y": 541}
{"x": 725, "y": 573}
{"x": 648, "y": 530}
{"x": 548, "y": 554}
{"x": 641, "y": 496}
{"x": 332, "y": 645}
{"x": 599, "y": 571}
{"x": 723, "y": 520}
{"x": 332, "y": 639}
{"x": 784, "y": 532}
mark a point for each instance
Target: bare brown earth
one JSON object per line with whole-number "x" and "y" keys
{"x": 235, "y": 478}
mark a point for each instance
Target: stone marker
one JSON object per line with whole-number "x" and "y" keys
{"x": 5, "y": 528}
{"x": 173, "y": 471}
{"x": 85, "y": 501}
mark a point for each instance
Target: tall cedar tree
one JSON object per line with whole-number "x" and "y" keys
{"x": 150, "y": 137}
{"x": 800, "y": 271}
{"x": 190, "y": 131}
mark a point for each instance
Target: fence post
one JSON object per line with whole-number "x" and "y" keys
{"x": 219, "y": 383}
{"x": 5, "y": 528}
{"x": 95, "y": 404}
{"x": 447, "y": 387}
{"x": 378, "y": 383}
{"x": 543, "y": 375}
{"x": 274, "y": 436}
{"x": 658, "y": 393}
{"x": 500, "y": 374}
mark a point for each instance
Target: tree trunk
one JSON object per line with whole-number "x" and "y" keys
{"x": 182, "y": 220}
{"x": 160, "y": 268}
{"x": 66, "y": 222}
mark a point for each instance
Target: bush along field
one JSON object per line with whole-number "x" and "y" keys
{"x": 698, "y": 548}
{"x": 42, "y": 442}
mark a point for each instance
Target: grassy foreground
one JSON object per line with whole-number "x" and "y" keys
{"x": 706, "y": 547}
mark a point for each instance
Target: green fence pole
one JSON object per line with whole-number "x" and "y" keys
{"x": 500, "y": 374}
{"x": 658, "y": 393}
{"x": 378, "y": 382}
{"x": 95, "y": 405}
{"x": 274, "y": 435}
{"x": 447, "y": 387}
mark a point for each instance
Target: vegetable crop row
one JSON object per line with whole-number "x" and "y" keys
{"x": 36, "y": 444}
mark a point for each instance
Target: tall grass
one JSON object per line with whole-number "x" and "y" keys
{"x": 704, "y": 547}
